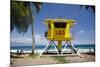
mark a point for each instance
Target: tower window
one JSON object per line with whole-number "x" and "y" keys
{"x": 60, "y": 25}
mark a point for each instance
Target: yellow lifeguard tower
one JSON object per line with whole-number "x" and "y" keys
{"x": 59, "y": 30}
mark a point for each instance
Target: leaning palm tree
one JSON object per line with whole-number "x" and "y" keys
{"x": 89, "y": 6}
{"x": 22, "y": 18}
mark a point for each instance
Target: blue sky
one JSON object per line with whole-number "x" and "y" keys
{"x": 84, "y": 30}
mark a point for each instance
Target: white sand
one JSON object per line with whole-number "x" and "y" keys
{"x": 26, "y": 60}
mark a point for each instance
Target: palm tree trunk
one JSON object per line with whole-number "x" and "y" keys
{"x": 33, "y": 41}
{"x": 32, "y": 30}
{"x": 32, "y": 23}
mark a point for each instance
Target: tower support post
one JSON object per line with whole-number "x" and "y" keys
{"x": 59, "y": 46}
{"x": 74, "y": 49}
{"x": 48, "y": 46}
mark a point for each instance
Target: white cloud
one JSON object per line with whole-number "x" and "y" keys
{"x": 38, "y": 39}
{"x": 81, "y": 31}
{"x": 21, "y": 40}
{"x": 75, "y": 23}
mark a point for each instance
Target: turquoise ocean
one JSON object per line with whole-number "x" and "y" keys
{"x": 24, "y": 46}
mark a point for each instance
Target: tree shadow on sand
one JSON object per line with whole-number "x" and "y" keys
{"x": 16, "y": 56}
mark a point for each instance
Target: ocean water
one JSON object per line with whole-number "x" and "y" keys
{"x": 15, "y": 46}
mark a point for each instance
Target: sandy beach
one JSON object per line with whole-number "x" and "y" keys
{"x": 27, "y": 60}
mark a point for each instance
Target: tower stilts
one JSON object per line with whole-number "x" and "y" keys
{"x": 48, "y": 46}
{"x": 73, "y": 49}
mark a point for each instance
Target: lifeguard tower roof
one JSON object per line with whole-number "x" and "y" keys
{"x": 60, "y": 20}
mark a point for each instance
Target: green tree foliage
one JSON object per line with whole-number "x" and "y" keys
{"x": 89, "y": 6}
{"x": 22, "y": 16}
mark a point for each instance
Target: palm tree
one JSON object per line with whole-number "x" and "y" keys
{"x": 22, "y": 18}
{"x": 89, "y": 6}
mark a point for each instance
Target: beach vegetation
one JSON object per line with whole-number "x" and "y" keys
{"x": 60, "y": 59}
{"x": 34, "y": 55}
